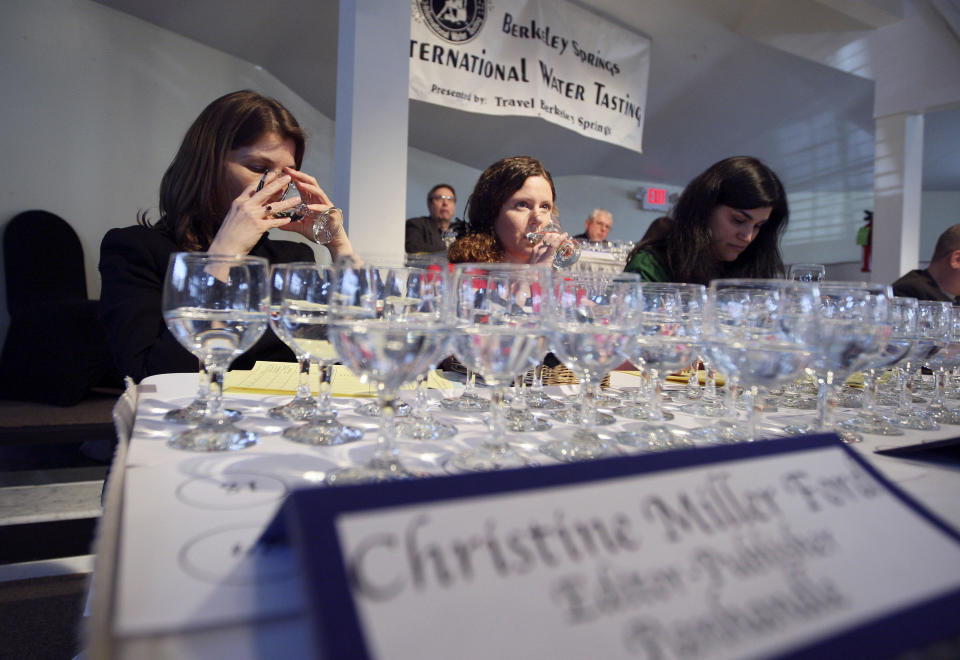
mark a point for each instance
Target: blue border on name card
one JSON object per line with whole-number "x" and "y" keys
{"x": 308, "y": 516}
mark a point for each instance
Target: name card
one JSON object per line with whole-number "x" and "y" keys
{"x": 792, "y": 547}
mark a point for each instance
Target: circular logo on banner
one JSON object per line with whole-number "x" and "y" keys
{"x": 456, "y": 21}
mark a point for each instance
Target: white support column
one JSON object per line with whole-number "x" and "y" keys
{"x": 370, "y": 168}
{"x": 897, "y": 192}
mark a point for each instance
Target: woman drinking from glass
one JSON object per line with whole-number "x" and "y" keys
{"x": 221, "y": 195}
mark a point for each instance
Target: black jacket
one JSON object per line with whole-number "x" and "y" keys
{"x": 133, "y": 263}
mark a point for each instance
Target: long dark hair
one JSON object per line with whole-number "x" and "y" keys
{"x": 494, "y": 187}
{"x": 740, "y": 182}
{"x": 192, "y": 192}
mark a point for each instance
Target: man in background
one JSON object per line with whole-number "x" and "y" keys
{"x": 598, "y": 224}
{"x": 427, "y": 233}
{"x": 941, "y": 279}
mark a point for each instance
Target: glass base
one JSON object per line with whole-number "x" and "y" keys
{"x": 653, "y": 437}
{"x": 196, "y": 412}
{"x": 849, "y": 398}
{"x": 642, "y": 412}
{"x": 323, "y": 432}
{"x": 579, "y": 449}
{"x": 724, "y": 432}
{"x": 466, "y": 403}
{"x": 374, "y": 472}
{"x": 798, "y": 401}
{"x": 485, "y": 458}
{"x": 372, "y": 409}
{"x": 424, "y": 428}
{"x": 945, "y": 415}
{"x": 523, "y": 421}
{"x": 297, "y": 410}
{"x": 572, "y": 416}
{"x": 848, "y": 437}
{"x": 706, "y": 406}
{"x": 209, "y": 438}
{"x": 870, "y": 423}
{"x": 913, "y": 420}
{"x": 539, "y": 400}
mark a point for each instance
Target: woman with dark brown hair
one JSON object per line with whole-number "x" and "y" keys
{"x": 727, "y": 223}
{"x": 220, "y": 195}
{"x": 512, "y": 198}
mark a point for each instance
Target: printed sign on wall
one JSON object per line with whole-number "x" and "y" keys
{"x": 535, "y": 58}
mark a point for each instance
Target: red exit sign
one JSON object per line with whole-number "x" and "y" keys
{"x": 655, "y": 199}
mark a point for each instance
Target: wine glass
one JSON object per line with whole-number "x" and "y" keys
{"x": 763, "y": 332}
{"x": 931, "y": 336}
{"x": 807, "y": 272}
{"x": 303, "y": 405}
{"x": 217, "y": 307}
{"x": 303, "y": 317}
{"x": 499, "y": 309}
{"x": 388, "y": 325}
{"x": 903, "y": 324}
{"x": 942, "y": 362}
{"x": 669, "y": 332}
{"x": 566, "y": 254}
{"x": 321, "y": 219}
{"x": 592, "y": 326}
{"x": 854, "y": 327}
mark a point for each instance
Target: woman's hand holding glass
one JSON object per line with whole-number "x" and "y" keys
{"x": 217, "y": 307}
{"x": 553, "y": 245}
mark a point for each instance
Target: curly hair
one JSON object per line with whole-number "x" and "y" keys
{"x": 494, "y": 187}
{"x": 192, "y": 197}
{"x": 741, "y": 182}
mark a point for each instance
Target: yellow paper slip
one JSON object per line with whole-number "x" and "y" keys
{"x": 283, "y": 377}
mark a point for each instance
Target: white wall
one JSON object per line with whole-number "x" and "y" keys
{"x": 95, "y": 104}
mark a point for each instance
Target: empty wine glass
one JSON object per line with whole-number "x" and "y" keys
{"x": 854, "y": 327}
{"x": 761, "y": 331}
{"x": 304, "y": 314}
{"x": 566, "y": 254}
{"x": 499, "y": 309}
{"x": 217, "y": 307}
{"x": 903, "y": 328}
{"x": 592, "y": 325}
{"x": 669, "y": 332}
{"x": 303, "y": 405}
{"x": 941, "y": 363}
{"x": 807, "y": 272}
{"x": 388, "y": 326}
{"x": 930, "y": 337}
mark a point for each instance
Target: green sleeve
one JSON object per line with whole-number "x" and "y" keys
{"x": 648, "y": 266}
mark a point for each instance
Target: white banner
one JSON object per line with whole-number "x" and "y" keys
{"x": 535, "y": 58}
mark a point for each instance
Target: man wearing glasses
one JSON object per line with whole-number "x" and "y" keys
{"x": 434, "y": 233}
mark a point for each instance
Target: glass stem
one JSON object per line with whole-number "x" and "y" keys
{"x": 589, "y": 388}
{"x": 537, "y": 384}
{"x": 385, "y": 453}
{"x": 869, "y": 392}
{"x": 905, "y": 398}
{"x": 215, "y": 399}
{"x": 710, "y": 383}
{"x": 303, "y": 378}
{"x": 655, "y": 391}
{"x": 324, "y": 407}
{"x": 751, "y": 406}
{"x": 692, "y": 390}
{"x": 420, "y": 402}
{"x": 824, "y": 403}
{"x": 939, "y": 394}
{"x": 469, "y": 389}
{"x": 497, "y": 419}
{"x": 203, "y": 385}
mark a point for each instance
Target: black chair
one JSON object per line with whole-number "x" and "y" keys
{"x": 56, "y": 349}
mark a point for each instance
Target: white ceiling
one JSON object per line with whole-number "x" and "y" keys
{"x": 713, "y": 91}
